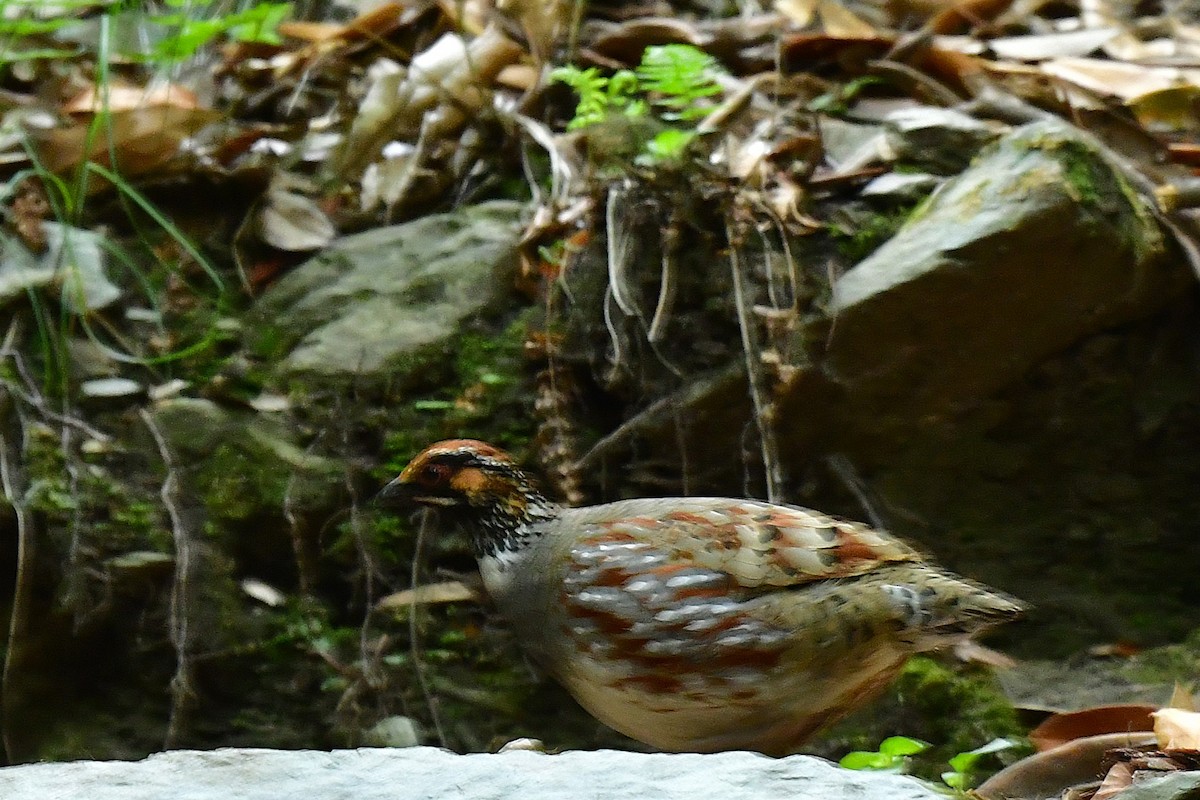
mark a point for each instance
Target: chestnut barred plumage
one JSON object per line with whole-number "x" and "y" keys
{"x": 698, "y": 623}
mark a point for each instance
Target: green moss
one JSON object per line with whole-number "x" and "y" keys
{"x": 114, "y": 515}
{"x": 490, "y": 397}
{"x": 239, "y": 482}
{"x": 858, "y": 238}
{"x": 1171, "y": 663}
{"x": 268, "y": 343}
{"x": 1105, "y": 193}
{"x": 954, "y": 707}
{"x": 1086, "y": 175}
{"x": 957, "y": 709}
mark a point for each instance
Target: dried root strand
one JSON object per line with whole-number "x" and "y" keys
{"x": 555, "y": 442}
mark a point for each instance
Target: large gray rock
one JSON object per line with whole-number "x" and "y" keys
{"x": 1037, "y": 245}
{"x": 426, "y": 772}
{"x": 372, "y": 303}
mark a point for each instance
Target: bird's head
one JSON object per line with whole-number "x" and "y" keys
{"x": 477, "y": 483}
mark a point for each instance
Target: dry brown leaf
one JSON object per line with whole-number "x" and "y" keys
{"x": 1118, "y": 779}
{"x": 522, "y": 77}
{"x": 544, "y": 23}
{"x": 293, "y": 222}
{"x": 1186, "y": 153}
{"x": 374, "y": 24}
{"x": 837, "y": 20}
{"x": 1121, "y": 718}
{"x": 127, "y": 97}
{"x": 799, "y": 12}
{"x": 469, "y": 16}
{"x": 1032, "y": 84}
{"x": 307, "y": 31}
{"x": 453, "y": 76}
{"x": 446, "y": 592}
{"x": 142, "y": 139}
{"x": 805, "y": 51}
{"x": 1117, "y": 79}
{"x": 1051, "y": 45}
{"x": 627, "y": 41}
{"x": 30, "y": 209}
{"x": 1048, "y": 773}
{"x": 1181, "y": 697}
{"x": 964, "y": 15}
{"x": 1177, "y": 729}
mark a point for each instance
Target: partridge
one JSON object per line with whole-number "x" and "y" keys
{"x": 698, "y": 623}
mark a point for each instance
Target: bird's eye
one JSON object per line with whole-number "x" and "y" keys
{"x": 433, "y": 475}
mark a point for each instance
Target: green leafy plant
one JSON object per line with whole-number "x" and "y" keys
{"x": 185, "y": 26}
{"x": 895, "y": 752}
{"x": 892, "y": 756}
{"x": 837, "y": 101}
{"x": 680, "y": 76}
{"x": 599, "y": 94}
{"x": 958, "y": 777}
{"x": 668, "y": 145}
{"x": 189, "y": 31}
{"x": 672, "y": 81}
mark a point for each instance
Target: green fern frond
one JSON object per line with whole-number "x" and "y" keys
{"x": 682, "y": 75}
{"x": 598, "y": 95}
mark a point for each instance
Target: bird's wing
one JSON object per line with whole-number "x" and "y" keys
{"x": 754, "y": 543}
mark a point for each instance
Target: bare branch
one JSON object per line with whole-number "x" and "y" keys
{"x": 183, "y": 692}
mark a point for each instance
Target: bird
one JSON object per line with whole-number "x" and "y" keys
{"x": 697, "y": 624}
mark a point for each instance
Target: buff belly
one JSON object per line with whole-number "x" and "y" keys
{"x": 774, "y": 714}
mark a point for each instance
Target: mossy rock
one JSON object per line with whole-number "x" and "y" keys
{"x": 378, "y": 306}
{"x": 1038, "y": 244}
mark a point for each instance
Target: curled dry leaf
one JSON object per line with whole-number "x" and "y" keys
{"x": 263, "y": 592}
{"x": 446, "y": 592}
{"x": 1118, "y": 779}
{"x": 374, "y": 24}
{"x": 1049, "y": 773}
{"x": 1177, "y": 728}
{"x": 452, "y": 76}
{"x": 142, "y": 139}
{"x": 293, "y": 222}
{"x": 1061, "y": 728}
{"x": 127, "y": 97}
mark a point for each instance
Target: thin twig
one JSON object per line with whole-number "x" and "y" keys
{"x": 414, "y": 643}
{"x": 365, "y": 644}
{"x": 76, "y": 581}
{"x": 668, "y": 285}
{"x": 305, "y": 569}
{"x": 13, "y": 479}
{"x": 613, "y": 334}
{"x": 938, "y": 90}
{"x": 618, "y": 250}
{"x": 764, "y": 407}
{"x": 844, "y": 469}
{"x": 183, "y": 692}
{"x": 30, "y": 396}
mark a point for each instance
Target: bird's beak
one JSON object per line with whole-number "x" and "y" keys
{"x": 402, "y": 494}
{"x": 395, "y": 494}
